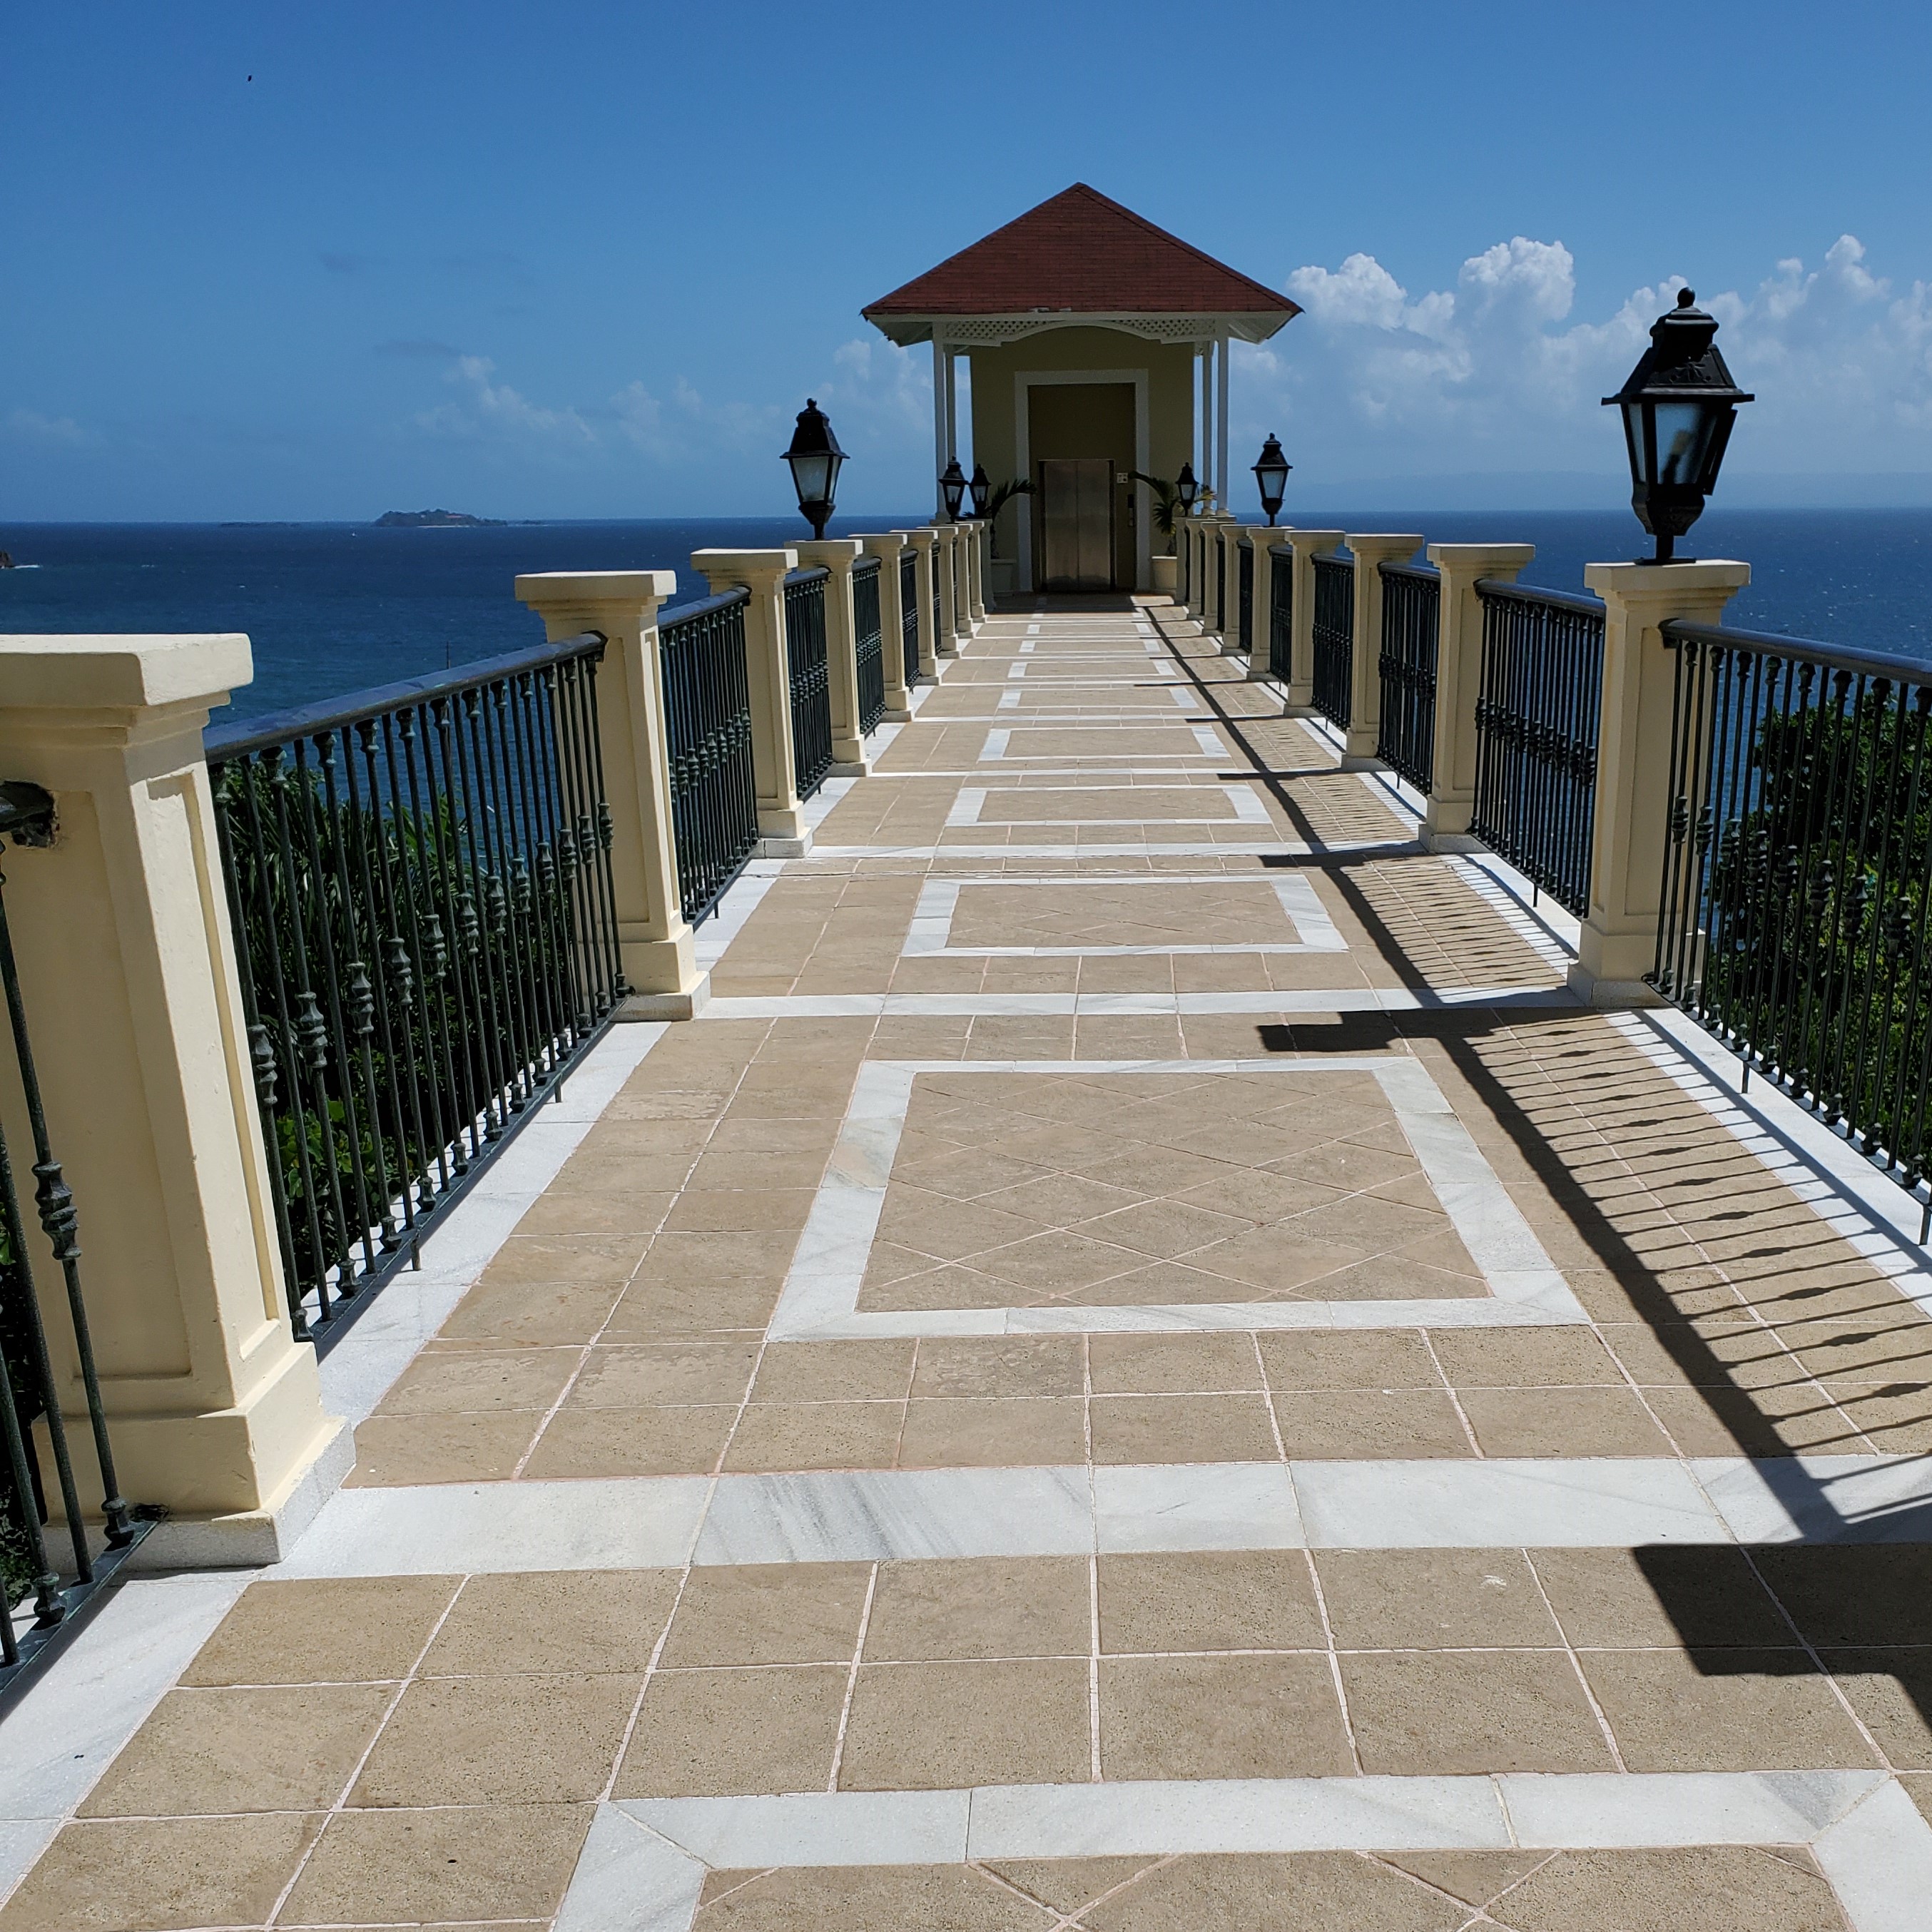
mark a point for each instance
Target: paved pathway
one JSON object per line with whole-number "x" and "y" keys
{"x": 1141, "y": 1367}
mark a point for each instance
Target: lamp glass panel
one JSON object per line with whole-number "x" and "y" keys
{"x": 811, "y": 476}
{"x": 1683, "y": 437}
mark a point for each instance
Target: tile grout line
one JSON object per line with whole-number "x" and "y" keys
{"x": 852, "y": 1679}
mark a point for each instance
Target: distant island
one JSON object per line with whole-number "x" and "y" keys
{"x": 435, "y": 519}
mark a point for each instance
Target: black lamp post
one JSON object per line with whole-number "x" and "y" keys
{"x": 982, "y": 490}
{"x": 1678, "y": 404}
{"x": 1186, "y": 489}
{"x": 951, "y": 487}
{"x": 1271, "y": 478}
{"x": 816, "y": 459}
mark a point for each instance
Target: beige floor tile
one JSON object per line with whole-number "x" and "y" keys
{"x": 593, "y": 1259}
{"x": 1892, "y": 1692}
{"x": 593, "y": 1442}
{"x": 554, "y": 1621}
{"x": 1722, "y": 1710}
{"x": 1159, "y": 1364}
{"x": 932, "y": 1726}
{"x": 1232, "y": 1717}
{"x": 1425, "y": 1713}
{"x": 817, "y": 1435}
{"x": 1208, "y": 1599}
{"x": 202, "y": 1754}
{"x": 1476, "y": 1878}
{"x": 1368, "y": 1423}
{"x": 1391, "y": 1358}
{"x": 478, "y": 1382}
{"x": 1433, "y": 1599}
{"x": 1672, "y": 1595}
{"x": 511, "y": 1314}
{"x": 1066, "y": 1885}
{"x": 603, "y": 1210}
{"x": 1521, "y": 1358}
{"x": 1310, "y": 1892}
{"x": 484, "y": 1862}
{"x": 641, "y": 1375}
{"x": 1562, "y": 1422}
{"x": 768, "y": 1613}
{"x": 142, "y": 1875}
{"x": 980, "y": 1607}
{"x": 733, "y": 1211}
{"x": 405, "y": 1449}
{"x": 530, "y": 1740}
{"x": 331, "y": 1630}
{"x": 731, "y": 1733}
{"x": 834, "y": 1371}
{"x": 1713, "y": 1888}
{"x": 871, "y": 1898}
{"x": 710, "y": 1302}
{"x": 1013, "y": 1365}
{"x": 992, "y": 1431}
{"x": 1182, "y": 1429}
{"x": 1918, "y": 1789}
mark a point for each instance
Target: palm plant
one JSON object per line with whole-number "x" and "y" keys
{"x": 1002, "y": 495}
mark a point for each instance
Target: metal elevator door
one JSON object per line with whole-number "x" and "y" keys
{"x": 1076, "y": 507}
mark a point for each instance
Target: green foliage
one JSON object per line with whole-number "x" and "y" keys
{"x": 1001, "y": 495}
{"x": 1816, "y": 950}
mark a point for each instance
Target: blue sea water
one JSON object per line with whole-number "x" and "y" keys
{"x": 334, "y": 608}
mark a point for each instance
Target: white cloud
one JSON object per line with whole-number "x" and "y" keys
{"x": 30, "y": 426}
{"x": 1498, "y": 372}
{"x": 494, "y": 408}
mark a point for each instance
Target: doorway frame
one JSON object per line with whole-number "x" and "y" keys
{"x": 1025, "y": 381}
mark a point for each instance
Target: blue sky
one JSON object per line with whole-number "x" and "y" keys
{"x": 585, "y": 260}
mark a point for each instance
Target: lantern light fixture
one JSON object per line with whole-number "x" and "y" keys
{"x": 1271, "y": 478}
{"x": 815, "y": 459}
{"x": 1187, "y": 489}
{"x": 981, "y": 488}
{"x": 951, "y": 488}
{"x": 1678, "y": 405}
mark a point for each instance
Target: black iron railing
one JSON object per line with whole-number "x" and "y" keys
{"x": 1246, "y": 569}
{"x": 810, "y": 693}
{"x": 30, "y": 1387}
{"x": 909, "y": 613}
{"x": 1215, "y": 588}
{"x": 1797, "y": 891}
{"x": 419, "y": 880}
{"x": 1411, "y": 617}
{"x": 1281, "y": 610}
{"x": 1334, "y": 629}
{"x": 938, "y": 628}
{"x": 1536, "y": 735}
{"x": 870, "y": 641}
{"x": 714, "y": 801}
{"x": 1183, "y": 546}
{"x": 960, "y": 601}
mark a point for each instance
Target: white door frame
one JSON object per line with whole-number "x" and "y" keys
{"x": 1023, "y": 383}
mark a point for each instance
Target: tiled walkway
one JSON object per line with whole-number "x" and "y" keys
{"x": 1140, "y": 1367}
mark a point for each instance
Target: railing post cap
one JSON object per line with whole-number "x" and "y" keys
{"x": 925, "y": 538}
{"x": 830, "y": 551}
{"x": 1307, "y": 540}
{"x": 1485, "y": 559}
{"x": 538, "y": 588}
{"x": 755, "y": 568}
{"x": 1658, "y": 585}
{"x": 86, "y": 672}
{"x": 1383, "y": 544}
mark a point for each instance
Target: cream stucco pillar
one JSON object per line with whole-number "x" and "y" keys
{"x": 1266, "y": 564}
{"x": 1617, "y": 944}
{"x": 1213, "y": 575}
{"x": 944, "y": 561}
{"x": 1365, "y": 672}
{"x": 837, "y": 555}
{"x": 976, "y": 560}
{"x": 924, "y": 542}
{"x": 128, "y": 979}
{"x": 1307, "y": 545}
{"x": 654, "y": 942}
{"x": 889, "y": 547}
{"x": 782, "y": 828}
{"x": 1459, "y": 684}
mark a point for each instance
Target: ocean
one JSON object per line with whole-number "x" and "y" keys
{"x": 335, "y": 608}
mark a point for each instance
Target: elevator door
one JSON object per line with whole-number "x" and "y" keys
{"x": 1076, "y": 507}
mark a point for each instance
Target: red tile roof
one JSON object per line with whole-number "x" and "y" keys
{"x": 1082, "y": 252}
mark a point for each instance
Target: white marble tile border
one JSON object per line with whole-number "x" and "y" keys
{"x": 905, "y": 1515}
{"x": 1245, "y": 806}
{"x": 929, "y": 935}
{"x": 819, "y": 1299}
{"x": 1151, "y": 1005}
{"x": 1229, "y": 848}
{"x": 645, "y": 1860}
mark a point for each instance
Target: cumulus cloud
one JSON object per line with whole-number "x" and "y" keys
{"x": 1498, "y": 372}
{"x": 30, "y": 426}
{"x": 488, "y": 408}
{"x": 880, "y": 386}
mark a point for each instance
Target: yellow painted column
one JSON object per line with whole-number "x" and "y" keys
{"x": 1459, "y": 684}
{"x": 1307, "y": 545}
{"x": 837, "y": 555}
{"x": 889, "y": 548}
{"x": 781, "y": 827}
{"x": 128, "y": 979}
{"x": 1617, "y": 944}
{"x": 1365, "y": 675}
{"x": 654, "y": 941}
